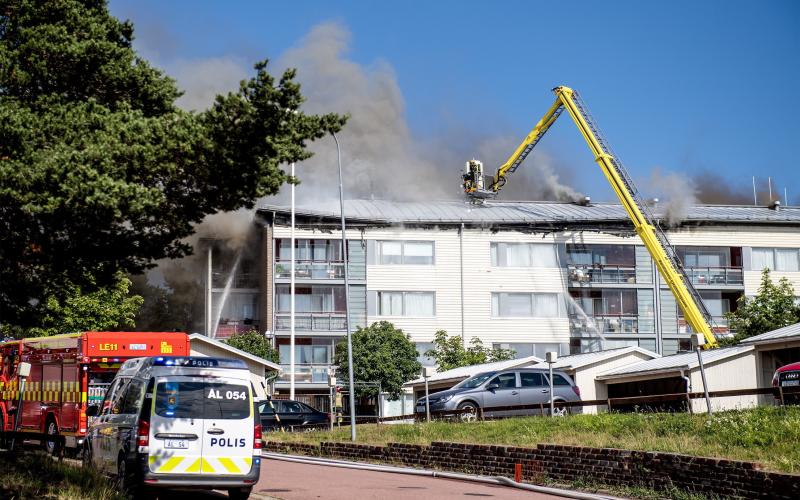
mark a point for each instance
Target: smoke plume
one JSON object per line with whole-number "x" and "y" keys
{"x": 678, "y": 192}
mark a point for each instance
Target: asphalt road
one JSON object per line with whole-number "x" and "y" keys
{"x": 294, "y": 481}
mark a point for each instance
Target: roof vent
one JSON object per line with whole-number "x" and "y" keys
{"x": 775, "y": 205}
{"x": 584, "y": 202}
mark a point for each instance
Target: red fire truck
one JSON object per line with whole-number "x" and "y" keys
{"x": 68, "y": 373}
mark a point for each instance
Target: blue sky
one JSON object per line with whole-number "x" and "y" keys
{"x": 685, "y": 87}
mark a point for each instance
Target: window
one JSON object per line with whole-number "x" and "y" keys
{"x": 776, "y": 259}
{"x": 406, "y": 304}
{"x": 309, "y": 250}
{"x": 524, "y": 305}
{"x": 558, "y": 380}
{"x": 405, "y": 252}
{"x": 505, "y": 380}
{"x": 310, "y": 299}
{"x": 531, "y": 379}
{"x": 523, "y": 255}
{"x": 613, "y": 255}
{"x": 132, "y": 400}
{"x": 209, "y": 400}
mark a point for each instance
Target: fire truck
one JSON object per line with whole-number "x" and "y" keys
{"x": 69, "y": 373}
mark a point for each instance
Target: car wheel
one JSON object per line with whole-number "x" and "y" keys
{"x": 239, "y": 493}
{"x": 86, "y": 455}
{"x": 51, "y": 446}
{"x": 471, "y": 412}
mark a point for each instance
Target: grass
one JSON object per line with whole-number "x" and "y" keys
{"x": 767, "y": 435}
{"x": 36, "y": 475}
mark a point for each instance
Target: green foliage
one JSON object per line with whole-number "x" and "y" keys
{"x": 100, "y": 172}
{"x": 103, "y": 309}
{"x": 449, "y": 352}
{"x": 255, "y": 343}
{"x": 774, "y": 306}
{"x": 381, "y": 353}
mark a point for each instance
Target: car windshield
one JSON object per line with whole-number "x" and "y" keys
{"x": 474, "y": 382}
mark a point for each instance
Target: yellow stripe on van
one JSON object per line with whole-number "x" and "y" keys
{"x": 206, "y": 466}
{"x": 170, "y": 464}
{"x": 195, "y": 467}
{"x": 249, "y": 462}
{"x": 229, "y": 464}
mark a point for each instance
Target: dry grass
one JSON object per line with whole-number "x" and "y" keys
{"x": 36, "y": 475}
{"x": 766, "y": 435}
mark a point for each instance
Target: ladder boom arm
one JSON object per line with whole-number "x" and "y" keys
{"x": 656, "y": 242}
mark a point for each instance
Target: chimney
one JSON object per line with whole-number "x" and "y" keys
{"x": 775, "y": 205}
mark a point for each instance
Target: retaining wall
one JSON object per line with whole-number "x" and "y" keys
{"x": 728, "y": 478}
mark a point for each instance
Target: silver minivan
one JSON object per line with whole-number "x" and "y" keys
{"x": 186, "y": 422}
{"x": 511, "y": 387}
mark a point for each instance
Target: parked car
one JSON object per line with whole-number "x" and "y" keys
{"x": 521, "y": 386}
{"x": 787, "y": 377}
{"x": 291, "y": 414}
{"x": 177, "y": 423}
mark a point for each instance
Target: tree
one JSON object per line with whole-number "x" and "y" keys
{"x": 255, "y": 343}
{"x": 381, "y": 353}
{"x": 449, "y": 352}
{"x": 100, "y": 172}
{"x": 774, "y": 306}
{"x": 105, "y": 309}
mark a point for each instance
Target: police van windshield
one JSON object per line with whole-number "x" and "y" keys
{"x": 202, "y": 400}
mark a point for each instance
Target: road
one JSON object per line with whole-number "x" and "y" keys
{"x": 294, "y": 481}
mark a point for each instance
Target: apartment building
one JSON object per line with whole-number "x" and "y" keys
{"x": 529, "y": 276}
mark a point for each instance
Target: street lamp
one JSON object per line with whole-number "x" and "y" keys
{"x": 291, "y": 301}
{"x": 551, "y": 357}
{"x": 352, "y": 389}
{"x": 697, "y": 342}
{"x": 427, "y": 371}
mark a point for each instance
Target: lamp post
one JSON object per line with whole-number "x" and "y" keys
{"x": 352, "y": 388}
{"x": 291, "y": 301}
{"x": 697, "y": 342}
{"x": 551, "y": 357}
{"x": 427, "y": 371}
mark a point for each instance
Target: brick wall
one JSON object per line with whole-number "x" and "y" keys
{"x": 569, "y": 463}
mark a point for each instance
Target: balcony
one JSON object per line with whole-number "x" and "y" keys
{"x": 585, "y": 274}
{"x": 610, "y": 324}
{"x": 310, "y": 270}
{"x": 715, "y": 275}
{"x": 324, "y": 321}
{"x": 225, "y": 330}
{"x": 305, "y": 374}
{"x": 240, "y": 280}
{"x": 719, "y": 325}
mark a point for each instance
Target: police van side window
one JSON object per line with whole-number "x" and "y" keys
{"x": 132, "y": 400}
{"x": 112, "y": 396}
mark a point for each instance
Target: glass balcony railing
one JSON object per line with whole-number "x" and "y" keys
{"x": 600, "y": 273}
{"x": 611, "y": 324}
{"x": 306, "y": 374}
{"x": 310, "y": 270}
{"x": 225, "y": 330}
{"x": 325, "y": 321}
{"x": 715, "y": 275}
{"x": 240, "y": 280}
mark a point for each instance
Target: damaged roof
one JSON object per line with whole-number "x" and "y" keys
{"x": 521, "y": 213}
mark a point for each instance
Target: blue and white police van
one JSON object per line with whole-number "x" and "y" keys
{"x": 187, "y": 422}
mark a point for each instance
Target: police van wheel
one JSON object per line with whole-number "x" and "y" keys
{"x": 86, "y": 455}
{"x": 239, "y": 493}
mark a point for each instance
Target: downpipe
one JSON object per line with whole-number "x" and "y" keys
{"x": 494, "y": 480}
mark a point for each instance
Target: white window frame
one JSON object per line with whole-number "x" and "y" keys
{"x": 403, "y": 303}
{"x": 494, "y": 257}
{"x": 774, "y": 251}
{"x": 533, "y": 305}
{"x": 379, "y": 252}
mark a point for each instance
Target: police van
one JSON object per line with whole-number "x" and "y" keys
{"x": 186, "y": 422}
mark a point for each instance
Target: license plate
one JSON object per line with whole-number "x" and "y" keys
{"x": 790, "y": 383}
{"x": 179, "y": 444}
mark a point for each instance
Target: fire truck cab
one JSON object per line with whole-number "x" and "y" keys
{"x": 68, "y": 374}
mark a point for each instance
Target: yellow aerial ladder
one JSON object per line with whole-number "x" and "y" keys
{"x": 479, "y": 188}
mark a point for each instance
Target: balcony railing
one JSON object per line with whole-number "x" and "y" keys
{"x": 240, "y": 280}
{"x": 719, "y": 325}
{"x": 310, "y": 270}
{"x": 611, "y": 324}
{"x": 324, "y": 321}
{"x": 306, "y": 374}
{"x": 225, "y": 330}
{"x": 715, "y": 275}
{"x": 601, "y": 273}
